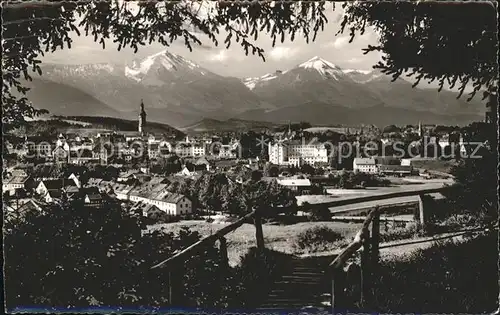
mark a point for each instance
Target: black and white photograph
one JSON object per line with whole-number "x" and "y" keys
{"x": 250, "y": 157}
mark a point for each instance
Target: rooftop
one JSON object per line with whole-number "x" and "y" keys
{"x": 364, "y": 161}
{"x": 294, "y": 182}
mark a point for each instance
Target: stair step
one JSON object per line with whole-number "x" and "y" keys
{"x": 302, "y": 277}
{"x": 303, "y": 287}
{"x": 297, "y": 295}
{"x": 291, "y": 304}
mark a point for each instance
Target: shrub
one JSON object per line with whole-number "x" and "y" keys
{"x": 317, "y": 238}
{"x": 254, "y": 276}
{"x": 447, "y": 278}
{"x": 409, "y": 231}
{"x": 320, "y": 214}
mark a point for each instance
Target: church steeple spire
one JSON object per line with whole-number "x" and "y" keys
{"x": 142, "y": 118}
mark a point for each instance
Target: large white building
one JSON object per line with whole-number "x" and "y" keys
{"x": 365, "y": 165}
{"x": 191, "y": 149}
{"x": 156, "y": 195}
{"x": 290, "y": 152}
{"x": 228, "y": 151}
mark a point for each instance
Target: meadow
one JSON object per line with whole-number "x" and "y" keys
{"x": 282, "y": 238}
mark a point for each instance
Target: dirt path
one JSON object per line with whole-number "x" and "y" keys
{"x": 401, "y": 248}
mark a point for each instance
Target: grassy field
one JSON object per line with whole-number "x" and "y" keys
{"x": 281, "y": 238}
{"x": 312, "y": 199}
{"x": 434, "y": 165}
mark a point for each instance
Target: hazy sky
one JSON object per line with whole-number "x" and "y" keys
{"x": 232, "y": 61}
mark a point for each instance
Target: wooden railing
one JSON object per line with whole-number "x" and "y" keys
{"x": 369, "y": 242}
{"x": 369, "y": 261}
{"x": 174, "y": 264}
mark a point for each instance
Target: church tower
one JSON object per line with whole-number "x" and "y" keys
{"x": 142, "y": 118}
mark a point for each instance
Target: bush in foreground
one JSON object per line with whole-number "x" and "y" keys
{"x": 446, "y": 278}
{"x": 317, "y": 238}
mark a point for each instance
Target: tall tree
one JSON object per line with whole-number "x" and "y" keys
{"x": 81, "y": 258}
{"x": 432, "y": 40}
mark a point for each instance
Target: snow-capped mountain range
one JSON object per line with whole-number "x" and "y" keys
{"x": 161, "y": 62}
{"x": 179, "y": 92}
{"x": 325, "y": 68}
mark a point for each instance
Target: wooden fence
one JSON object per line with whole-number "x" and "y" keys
{"x": 369, "y": 261}
{"x": 369, "y": 242}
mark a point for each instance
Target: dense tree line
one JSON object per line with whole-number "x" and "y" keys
{"x": 218, "y": 192}
{"x": 72, "y": 257}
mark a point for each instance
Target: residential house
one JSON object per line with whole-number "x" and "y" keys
{"x": 225, "y": 165}
{"x": 75, "y": 178}
{"x": 142, "y": 177}
{"x": 20, "y": 150}
{"x": 365, "y": 165}
{"x": 81, "y": 143}
{"x": 154, "y": 150}
{"x": 171, "y": 203}
{"x": 93, "y": 182}
{"x": 146, "y": 210}
{"x": 204, "y": 162}
{"x": 82, "y": 156}
{"x": 19, "y": 172}
{"x": 121, "y": 191}
{"x": 187, "y": 172}
{"x": 127, "y": 175}
{"x": 37, "y": 146}
{"x": 301, "y": 185}
{"x": 228, "y": 151}
{"x": 132, "y": 135}
{"x": 399, "y": 170}
{"x": 61, "y": 154}
{"x": 156, "y": 180}
{"x": 406, "y": 162}
{"x": 52, "y": 195}
{"x": 145, "y": 191}
{"x": 15, "y": 183}
{"x": 387, "y": 160}
{"x": 53, "y": 184}
{"x": 93, "y": 197}
{"x": 175, "y": 204}
{"x": 72, "y": 192}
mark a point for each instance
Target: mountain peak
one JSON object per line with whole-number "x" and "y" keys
{"x": 323, "y": 66}
{"x": 318, "y": 62}
{"x": 161, "y": 60}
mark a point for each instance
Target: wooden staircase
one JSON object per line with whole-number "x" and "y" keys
{"x": 304, "y": 287}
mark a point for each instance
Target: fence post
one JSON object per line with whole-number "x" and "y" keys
{"x": 175, "y": 283}
{"x": 223, "y": 251}
{"x": 421, "y": 202}
{"x": 375, "y": 238}
{"x": 172, "y": 286}
{"x": 258, "y": 230}
{"x": 365, "y": 269}
{"x": 338, "y": 289}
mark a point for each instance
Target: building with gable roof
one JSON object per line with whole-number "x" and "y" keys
{"x": 365, "y": 165}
